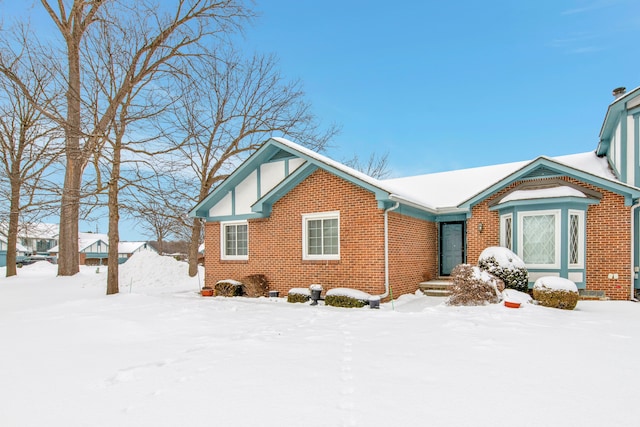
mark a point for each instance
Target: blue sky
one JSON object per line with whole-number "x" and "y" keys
{"x": 444, "y": 85}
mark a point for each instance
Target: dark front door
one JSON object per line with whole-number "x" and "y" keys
{"x": 451, "y": 246}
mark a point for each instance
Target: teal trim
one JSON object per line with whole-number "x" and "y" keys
{"x": 263, "y": 205}
{"x": 286, "y": 167}
{"x": 636, "y": 247}
{"x": 461, "y": 217}
{"x": 94, "y": 255}
{"x": 270, "y": 150}
{"x": 415, "y": 213}
{"x": 233, "y": 201}
{"x": 241, "y": 217}
{"x": 611, "y": 120}
{"x": 623, "y": 147}
{"x": 636, "y": 145}
{"x": 627, "y": 191}
{"x": 3, "y": 258}
{"x": 258, "y": 182}
{"x": 550, "y": 203}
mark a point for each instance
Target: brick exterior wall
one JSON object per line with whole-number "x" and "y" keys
{"x": 413, "y": 253}
{"x": 608, "y": 240}
{"x": 275, "y": 243}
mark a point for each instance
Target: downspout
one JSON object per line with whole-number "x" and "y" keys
{"x": 387, "y": 286}
{"x": 632, "y": 297}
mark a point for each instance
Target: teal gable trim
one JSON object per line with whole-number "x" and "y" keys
{"x": 624, "y": 176}
{"x": 241, "y": 217}
{"x": 552, "y": 203}
{"x": 274, "y": 150}
{"x": 636, "y": 144}
{"x": 415, "y": 213}
{"x": 264, "y": 154}
{"x": 263, "y": 205}
{"x": 543, "y": 163}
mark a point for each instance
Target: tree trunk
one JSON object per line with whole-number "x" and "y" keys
{"x": 194, "y": 243}
{"x": 12, "y": 232}
{"x": 68, "y": 257}
{"x": 114, "y": 219}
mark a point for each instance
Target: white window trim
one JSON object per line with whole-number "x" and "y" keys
{"x": 558, "y": 247}
{"x": 223, "y": 242}
{"x": 581, "y": 237}
{"x": 305, "y": 239}
{"x": 503, "y": 230}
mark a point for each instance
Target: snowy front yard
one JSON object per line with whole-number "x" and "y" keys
{"x": 162, "y": 355}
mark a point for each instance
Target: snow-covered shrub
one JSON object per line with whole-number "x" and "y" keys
{"x": 255, "y": 285}
{"x": 556, "y": 292}
{"x": 345, "y": 297}
{"x": 472, "y": 286}
{"x": 504, "y": 264}
{"x": 228, "y": 288}
{"x": 298, "y": 295}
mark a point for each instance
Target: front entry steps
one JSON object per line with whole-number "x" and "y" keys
{"x": 436, "y": 288}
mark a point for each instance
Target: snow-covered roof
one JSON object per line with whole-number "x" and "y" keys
{"x": 543, "y": 193}
{"x": 444, "y": 190}
{"x": 129, "y": 247}
{"x": 450, "y": 189}
{"x": 38, "y": 230}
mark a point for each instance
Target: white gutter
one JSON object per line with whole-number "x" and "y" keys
{"x": 633, "y": 249}
{"x": 387, "y": 286}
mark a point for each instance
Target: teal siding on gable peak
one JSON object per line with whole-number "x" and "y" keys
{"x": 276, "y": 168}
{"x": 618, "y": 137}
{"x": 532, "y": 171}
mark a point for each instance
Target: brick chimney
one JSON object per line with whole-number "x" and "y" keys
{"x": 619, "y": 91}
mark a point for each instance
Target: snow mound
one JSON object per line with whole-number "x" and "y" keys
{"x": 149, "y": 270}
{"x": 300, "y": 291}
{"x": 511, "y": 295}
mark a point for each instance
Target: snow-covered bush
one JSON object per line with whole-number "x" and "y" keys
{"x": 228, "y": 288}
{"x": 344, "y": 297}
{"x": 556, "y": 292}
{"x": 504, "y": 264}
{"x": 255, "y": 285}
{"x": 472, "y": 286}
{"x": 298, "y": 295}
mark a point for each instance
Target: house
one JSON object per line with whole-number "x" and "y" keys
{"x": 94, "y": 249}
{"x": 301, "y": 218}
{"x": 21, "y": 251}
{"x": 36, "y": 238}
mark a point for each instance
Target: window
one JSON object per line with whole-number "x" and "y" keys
{"x": 539, "y": 238}
{"x": 234, "y": 240}
{"x": 321, "y": 236}
{"x": 576, "y": 239}
{"x": 506, "y": 231}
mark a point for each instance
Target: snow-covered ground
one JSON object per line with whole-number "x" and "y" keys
{"x": 159, "y": 354}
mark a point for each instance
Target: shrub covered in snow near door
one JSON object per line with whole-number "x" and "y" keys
{"x": 504, "y": 264}
{"x": 345, "y": 297}
{"x": 556, "y": 292}
{"x": 472, "y": 286}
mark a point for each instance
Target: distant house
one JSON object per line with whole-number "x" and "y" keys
{"x": 301, "y": 218}
{"x": 36, "y": 238}
{"x": 93, "y": 249}
{"x": 21, "y": 251}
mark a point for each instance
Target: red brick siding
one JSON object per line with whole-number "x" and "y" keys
{"x": 413, "y": 253}
{"x": 608, "y": 239}
{"x": 275, "y": 243}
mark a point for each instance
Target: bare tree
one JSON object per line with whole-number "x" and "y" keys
{"x": 170, "y": 34}
{"x": 376, "y": 166}
{"x": 29, "y": 148}
{"x": 235, "y": 107}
